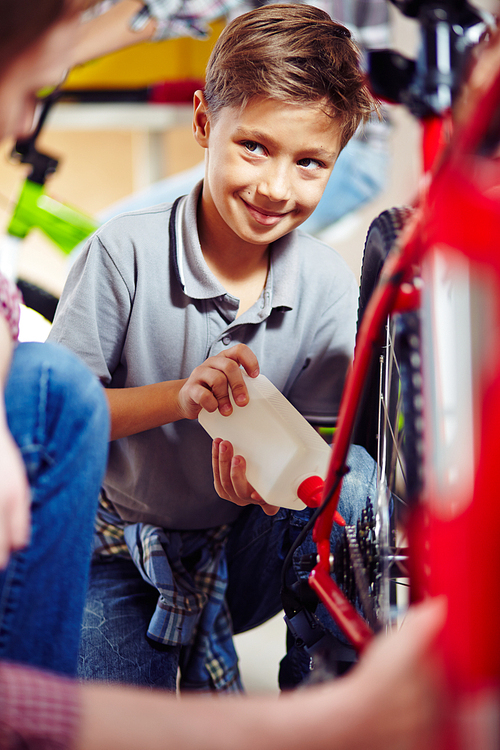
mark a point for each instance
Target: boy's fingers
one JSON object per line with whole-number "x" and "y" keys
{"x": 221, "y": 461}
{"x": 238, "y": 478}
{"x": 244, "y": 491}
{"x": 215, "y": 464}
{"x": 245, "y": 357}
{"x": 222, "y": 458}
{"x": 240, "y": 355}
{"x": 230, "y": 479}
{"x": 211, "y": 383}
{"x": 228, "y": 377}
{"x": 238, "y": 388}
{"x": 269, "y": 510}
{"x": 210, "y": 391}
{"x": 225, "y": 457}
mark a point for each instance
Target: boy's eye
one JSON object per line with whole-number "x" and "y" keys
{"x": 309, "y": 163}
{"x": 254, "y": 148}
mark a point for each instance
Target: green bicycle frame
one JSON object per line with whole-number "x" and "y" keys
{"x": 65, "y": 226}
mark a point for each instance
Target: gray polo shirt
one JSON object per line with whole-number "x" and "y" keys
{"x": 141, "y": 306}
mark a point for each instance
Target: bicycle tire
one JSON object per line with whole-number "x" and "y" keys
{"x": 389, "y": 426}
{"x": 382, "y": 235}
{"x": 38, "y": 299}
{"x": 403, "y": 393}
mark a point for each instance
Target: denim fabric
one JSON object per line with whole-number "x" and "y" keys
{"x": 57, "y": 413}
{"x": 120, "y": 604}
{"x": 188, "y": 570}
{"x": 115, "y": 647}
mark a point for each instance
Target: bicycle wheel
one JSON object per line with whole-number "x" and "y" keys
{"x": 381, "y": 238}
{"x": 389, "y": 426}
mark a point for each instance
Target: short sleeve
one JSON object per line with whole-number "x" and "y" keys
{"x": 92, "y": 314}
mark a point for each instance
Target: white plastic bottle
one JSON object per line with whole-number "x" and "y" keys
{"x": 280, "y": 447}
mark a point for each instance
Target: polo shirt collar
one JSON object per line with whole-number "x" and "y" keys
{"x": 195, "y": 277}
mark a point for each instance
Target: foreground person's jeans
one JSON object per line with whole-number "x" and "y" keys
{"x": 58, "y": 415}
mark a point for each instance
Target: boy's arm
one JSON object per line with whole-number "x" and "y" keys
{"x": 92, "y": 320}
{"x": 142, "y": 408}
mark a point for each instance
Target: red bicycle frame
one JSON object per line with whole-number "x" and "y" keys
{"x": 454, "y": 542}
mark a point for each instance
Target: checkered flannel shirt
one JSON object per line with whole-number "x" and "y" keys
{"x": 10, "y": 300}
{"x": 189, "y": 570}
{"x": 38, "y": 710}
{"x": 175, "y": 18}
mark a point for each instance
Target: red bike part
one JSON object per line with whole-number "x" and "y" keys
{"x": 453, "y": 554}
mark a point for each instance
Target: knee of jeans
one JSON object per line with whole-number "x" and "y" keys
{"x": 76, "y": 389}
{"x": 359, "y": 483}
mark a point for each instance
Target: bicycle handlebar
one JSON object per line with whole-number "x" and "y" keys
{"x": 429, "y": 84}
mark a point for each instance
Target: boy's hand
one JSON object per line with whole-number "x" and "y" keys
{"x": 208, "y": 385}
{"x": 230, "y": 478}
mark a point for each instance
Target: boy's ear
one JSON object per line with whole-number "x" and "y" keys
{"x": 201, "y": 119}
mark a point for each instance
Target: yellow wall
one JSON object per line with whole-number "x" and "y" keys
{"x": 147, "y": 63}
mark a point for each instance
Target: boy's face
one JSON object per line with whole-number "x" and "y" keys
{"x": 267, "y": 166}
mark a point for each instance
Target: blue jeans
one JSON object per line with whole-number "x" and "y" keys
{"x": 120, "y": 604}
{"x": 58, "y": 416}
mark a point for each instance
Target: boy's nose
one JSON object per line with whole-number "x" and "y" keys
{"x": 275, "y": 184}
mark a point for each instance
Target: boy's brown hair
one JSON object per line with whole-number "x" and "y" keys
{"x": 292, "y": 53}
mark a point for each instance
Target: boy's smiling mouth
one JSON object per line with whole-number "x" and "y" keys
{"x": 264, "y": 216}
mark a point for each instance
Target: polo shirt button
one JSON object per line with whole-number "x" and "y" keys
{"x": 226, "y": 340}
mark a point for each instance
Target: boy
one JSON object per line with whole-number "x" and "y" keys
{"x": 152, "y": 306}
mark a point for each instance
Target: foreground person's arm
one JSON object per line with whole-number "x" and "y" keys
{"x": 390, "y": 701}
{"x": 111, "y": 31}
{"x": 14, "y": 489}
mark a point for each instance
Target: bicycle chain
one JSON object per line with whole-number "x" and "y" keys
{"x": 357, "y": 566}
{"x": 360, "y": 577}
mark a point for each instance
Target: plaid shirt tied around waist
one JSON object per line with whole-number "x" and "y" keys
{"x": 189, "y": 571}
